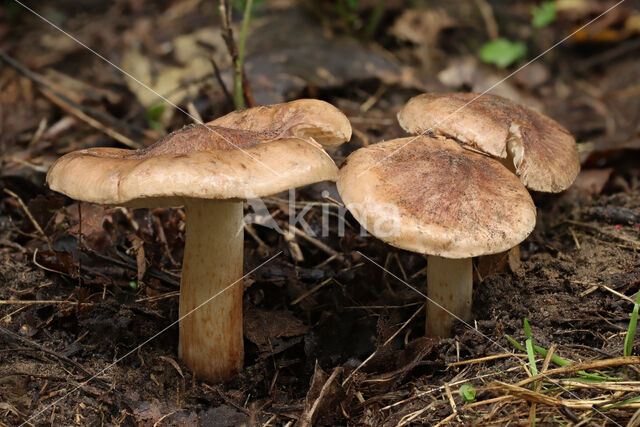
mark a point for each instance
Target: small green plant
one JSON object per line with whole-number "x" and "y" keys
{"x": 11, "y": 10}
{"x": 240, "y": 84}
{"x": 468, "y": 393}
{"x": 241, "y": 5}
{"x": 133, "y": 285}
{"x": 543, "y": 15}
{"x": 631, "y": 331}
{"x": 531, "y": 354}
{"x": 238, "y": 69}
{"x": 584, "y": 376}
{"x": 350, "y": 17}
{"x": 502, "y": 52}
{"x": 154, "y": 115}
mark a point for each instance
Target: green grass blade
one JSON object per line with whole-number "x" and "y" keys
{"x": 631, "y": 332}
{"x": 515, "y": 343}
{"x": 622, "y": 402}
{"x": 532, "y": 357}
{"x": 531, "y": 354}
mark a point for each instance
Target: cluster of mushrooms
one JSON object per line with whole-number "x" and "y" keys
{"x": 457, "y": 193}
{"x": 458, "y": 187}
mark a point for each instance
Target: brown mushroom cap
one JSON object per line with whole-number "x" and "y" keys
{"x": 436, "y": 197}
{"x": 196, "y": 162}
{"x": 543, "y": 152}
{"x": 302, "y": 118}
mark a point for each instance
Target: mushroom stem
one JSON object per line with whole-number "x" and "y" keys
{"x": 449, "y": 284}
{"x": 211, "y": 340}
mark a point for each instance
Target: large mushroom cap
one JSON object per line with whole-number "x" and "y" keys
{"x": 543, "y": 152}
{"x": 196, "y": 162}
{"x": 301, "y": 118}
{"x": 435, "y": 197}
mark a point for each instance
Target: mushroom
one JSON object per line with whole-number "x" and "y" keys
{"x": 437, "y": 198}
{"x": 538, "y": 149}
{"x": 305, "y": 118}
{"x": 210, "y": 170}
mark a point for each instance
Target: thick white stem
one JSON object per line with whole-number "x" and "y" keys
{"x": 449, "y": 284}
{"x": 211, "y": 341}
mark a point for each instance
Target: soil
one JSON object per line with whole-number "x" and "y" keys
{"x": 89, "y": 333}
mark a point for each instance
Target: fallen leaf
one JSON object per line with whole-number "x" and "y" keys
{"x": 421, "y": 26}
{"x": 265, "y": 328}
{"x": 223, "y": 416}
{"x": 147, "y": 414}
{"x": 321, "y": 403}
{"x": 590, "y": 181}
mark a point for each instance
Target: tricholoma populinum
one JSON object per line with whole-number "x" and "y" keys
{"x": 210, "y": 169}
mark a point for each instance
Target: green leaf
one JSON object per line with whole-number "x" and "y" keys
{"x": 353, "y": 4}
{"x": 133, "y": 285}
{"x": 502, "y": 52}
{"x": 543, "y": 15}
{"x": 468, "y": 393}
{"x": 153, "y": 116}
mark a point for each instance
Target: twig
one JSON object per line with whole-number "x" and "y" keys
{"x": 634, "y": 242}
{"x": 371, "y": 101}
{"x": 43, "y": 302}
{"x": 545, "y": 366}
{"x": 486, "y": 402}
{"x": 306, "y": 419}
{"x": 605, "y": 287}
{"x": 60, "y": 357}
{"x": 42, "y": 126}
{"x": 71, "y": 109}
{"x": 43, "y": 83}
{"x": 485, "y": 359}
{"x": 193, "y": 111}
{"x": 381, "y": 307}
{"x": 263, "y": 248}
{"x": 489, "y": 19}
{"x": 421, "y": 394}
{"x": 317, "y": 243}
{"x": 384, "y": 344}
{"x": 159, "y": 297}
{"x": 452, "y": 403}
{"x": 152, "y": 271}
{"x": 311, "y": 291}
{"x": 632, "y": 386}
{"x": 294, "y": 248}
{"x": 598, "y": 364}
{"x": 31, "y": 218}
{"x": 607, "y": 56}
{"x": 216, "y": 72}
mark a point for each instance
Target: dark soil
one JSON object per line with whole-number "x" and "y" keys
{"x": 88, "y": 333}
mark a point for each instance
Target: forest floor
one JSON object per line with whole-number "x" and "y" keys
{"x": 336, "y": 336}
